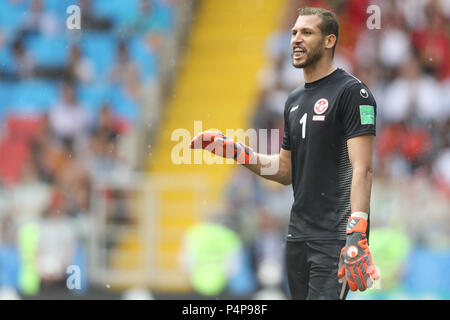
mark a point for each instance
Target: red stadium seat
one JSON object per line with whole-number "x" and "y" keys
{"x": 22, "y": 129}
{"x": 12, "y": 157}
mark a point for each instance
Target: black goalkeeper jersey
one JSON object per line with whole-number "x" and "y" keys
{"x": 319, "y": 118}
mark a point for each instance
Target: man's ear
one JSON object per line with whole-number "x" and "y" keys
{"x": 330, "y": 41}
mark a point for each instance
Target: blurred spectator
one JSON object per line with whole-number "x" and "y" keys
{"x": 431, "y": 43}
{"x": 73, "y": 181}
{"x": 38, "y": 21}
{"x": 208, "y": 253}
{"x": 104, "y": 144}
{"x": 68, "y": 119}
{"x": 90, "y": 21}
{"x": 125, "y": 70}
{"x": 106, "y": 130}
{"x": 155, "y": 20}
{"x": 146, "y": 21}
{"x": 44, "y": 152}
{"x": 24, "y": 66}
{"x": 80, "y": 69}
{"x": 30, "y": 196}
{"x": 441, "y": 172}
{"x": 394, "y": 45}
{"x": 412, "y": 97}
{"x": 9, "y": 259}
{"x": 57, "y": 244}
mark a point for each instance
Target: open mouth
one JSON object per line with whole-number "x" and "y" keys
{"x": 299, "y": 53}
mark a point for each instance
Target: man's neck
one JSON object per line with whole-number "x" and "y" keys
{"x": 318, "y": 71}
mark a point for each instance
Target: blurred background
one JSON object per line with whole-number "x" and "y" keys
{"x": 92, "y": 203}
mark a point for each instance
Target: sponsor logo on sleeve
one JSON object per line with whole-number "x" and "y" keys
{"x": 363, "y": 92}
{"x": 367, "y": 114}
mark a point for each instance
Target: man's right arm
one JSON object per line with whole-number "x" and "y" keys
{"x": 272, "y": 167}
{"x": 275, "y": 167}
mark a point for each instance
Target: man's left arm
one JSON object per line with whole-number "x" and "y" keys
{"x": 356, "y": 262}
{"x": 358, "y": 113}
{"x": 360, "y": 150}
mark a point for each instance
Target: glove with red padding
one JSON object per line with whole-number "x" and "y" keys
{"x": 355, "y": 262}
{"x": 221, "y": 145}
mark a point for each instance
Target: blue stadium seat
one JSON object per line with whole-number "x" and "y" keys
{"x": 125, "y": 107}
{"x": 5, "y": 98}
{"x": 34, "y": 96}
{"x": 94, "y": 95}
{"x": 11, "y": 15}
{"x": 6, "y": 59}
{"x": 100, "y": 47}
{"x": 48, "y": 51}
{"x": 5, "y": 93}
{"x": 117, "y": 10}
{"x": 59, "y": 6}
{"x": 165, "y": 16}
{"x": 144, "y": 57}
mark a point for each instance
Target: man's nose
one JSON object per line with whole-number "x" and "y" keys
{"x": 296, "y": 40}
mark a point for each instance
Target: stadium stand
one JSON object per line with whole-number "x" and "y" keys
{"x": 55, "y": 85}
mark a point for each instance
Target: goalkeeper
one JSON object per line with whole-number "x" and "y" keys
{"x": 326, "y": 154}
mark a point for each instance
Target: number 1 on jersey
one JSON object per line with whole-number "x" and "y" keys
{"x": 303, "y": 123}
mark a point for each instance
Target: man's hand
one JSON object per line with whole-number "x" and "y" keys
{"x": 355, "y": 262}
{"x": 221, "y": 145}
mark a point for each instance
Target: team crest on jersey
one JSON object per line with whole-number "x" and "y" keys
{"x": 321, "y": 106}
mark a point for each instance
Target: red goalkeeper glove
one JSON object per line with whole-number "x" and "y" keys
{"x": 221, "y": 145}
{"x": 355, "y": 262}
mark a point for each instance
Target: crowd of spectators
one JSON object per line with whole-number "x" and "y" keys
{"x": 70, "y": 101}
{"x": 406, "y": 65}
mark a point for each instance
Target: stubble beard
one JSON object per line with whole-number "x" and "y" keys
{"x": 314, "y": 55}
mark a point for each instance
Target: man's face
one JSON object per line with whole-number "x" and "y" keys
{"x": 307, "y": 41}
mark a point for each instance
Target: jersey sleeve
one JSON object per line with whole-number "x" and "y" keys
{"x": 286, "y": 144}
{"x": 358, "y": 111}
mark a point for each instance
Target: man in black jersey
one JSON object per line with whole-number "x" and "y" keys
{"x": 327, "y": 157}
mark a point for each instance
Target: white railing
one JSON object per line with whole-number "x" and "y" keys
{"x": 146, "y": 197}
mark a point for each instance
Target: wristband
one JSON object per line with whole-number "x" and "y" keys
{"x": 357, "y": 222}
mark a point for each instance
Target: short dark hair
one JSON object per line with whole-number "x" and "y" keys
{"x": 329, "y": 24}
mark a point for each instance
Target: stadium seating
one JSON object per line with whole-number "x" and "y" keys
{"x": 34, "y": 96}
{"x": 11, "y": 15}
{"x": 48, "y": 51}
{"x": 100, "y": 48}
